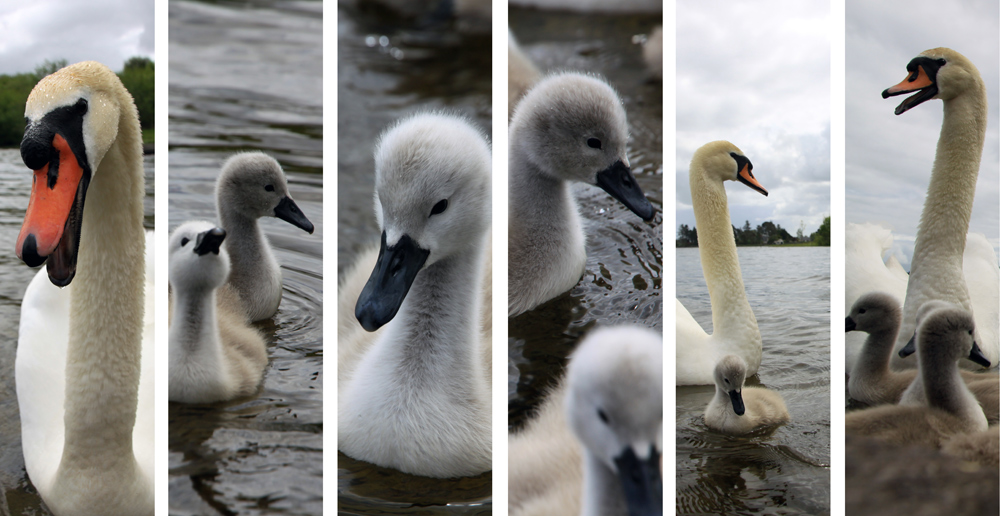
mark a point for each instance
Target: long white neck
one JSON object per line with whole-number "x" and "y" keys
{"x": 936, "y": 270}
{"x": 732, "y": 318}
{"x": 602, "y": 492}
{"x": 106, "y": 311}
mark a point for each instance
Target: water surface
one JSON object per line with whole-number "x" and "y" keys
{"x": 248, "y": 76}
{"x": 787, "y": 471}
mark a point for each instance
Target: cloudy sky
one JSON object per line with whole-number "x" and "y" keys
{"x": 109, "y": 31}
{"x": 758, "y": 74}
{"x": 889, "y": 157}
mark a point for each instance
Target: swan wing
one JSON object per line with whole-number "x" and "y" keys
{"x": 142, "y": 433}
{"x": 865, "y": 271}
{"x": 982, "y": 276}
{"x": 695, "y": 357}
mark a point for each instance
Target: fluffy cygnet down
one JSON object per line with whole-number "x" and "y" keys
{"x": 215, "y": 354}
{"x": 252, "y": 185}
{"x": 740, "y": 410}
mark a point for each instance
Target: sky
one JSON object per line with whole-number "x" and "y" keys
{"x": 758, "y": 74}
{"x": 109, "y": 31}
{"x": 889, "y": 158}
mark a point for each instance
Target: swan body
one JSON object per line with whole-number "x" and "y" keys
{"x": 944, "y": 337}
{"x": 937, "y": 265}
{"x": 84, "y": 367}
{"x": 569, "y": 128}
{"x": 522, "y": 74}
{"x": 252, "y": 185}
{"x": 740, "y": 410}
{"x": 735, "y": 327}
{"x": 215, "y": 355}
{"x": 569, "y": 460}
{"x": 417, "y": 340}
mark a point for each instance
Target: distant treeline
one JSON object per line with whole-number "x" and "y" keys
{"x": 137, "y": 76}
{"x": 767, "y": 233}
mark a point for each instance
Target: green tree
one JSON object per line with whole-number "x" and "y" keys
{"x": 138, "y": 76}
{"x": 49, "y": 67}
{"x": 822, "y": 235}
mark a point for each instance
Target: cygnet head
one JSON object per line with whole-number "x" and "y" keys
{"x": 947, "y": 335}
{"x": 874, "y": 312}
{"x": 252, "y": 185}
{"x": 198, "y": 262}
{"x": 922, "y": 312}
{"x": 730, "y": 373}
{"x": 614, "y": 406}
{"x": 723, "y": 161}
{"x": 572, "y": 127}
{"x": 432, "y": 201}
{"x": 938, "y": 73}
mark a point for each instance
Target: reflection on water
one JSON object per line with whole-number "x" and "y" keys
{"x": 388, "y": 69}
{"x": 623, "y": 277}
{"x": 248, "y": 75}
{"x": 789, "y": 291}
{"x": 15, "y": 183}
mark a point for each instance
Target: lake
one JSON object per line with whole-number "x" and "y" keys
{"x": 788, "y": 471}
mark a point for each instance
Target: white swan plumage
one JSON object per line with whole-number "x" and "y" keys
{"x": 215, "y": 354}
{"x": 570, "y": 127}
{"x": 84, "y": 368}
{"x": 416, "y": 338}
{"x": 252, "y": 185}
{"x": 939, "y": 255}
{"x": 602, "y": 424}
{"x": 735, "y": 329}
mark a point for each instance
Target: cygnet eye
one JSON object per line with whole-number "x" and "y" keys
{"x": 184, "y": 241}
{"x": 269, "y": 188}
{"x": 439, "y": 207}
{"x": 861, "y": 311}
{"x": 725, "y": 380}
{"x": 594, "y": 143}
{"x": 603, "y": 416}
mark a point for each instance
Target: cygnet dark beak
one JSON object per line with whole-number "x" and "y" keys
{"x": 641, "y": 481}
{"x": 396, "y": 268}
{"x": 618, "y": 181}
{"x": 737, "y": 398}
{"x": 289, "y": 212}
{"x": 209, "y": 241}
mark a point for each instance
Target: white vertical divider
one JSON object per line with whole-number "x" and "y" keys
{"x": 161, "y": 229}
{"x": 499, "y": 146}
{"x": 330, "y": 139}
{"x": 669, "y": 271}
{"x": 837, "y": 28}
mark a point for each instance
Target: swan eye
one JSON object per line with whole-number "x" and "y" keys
{"x": 594, "y": 143}
{"x": 269, "y": 188}
{"x": 184, "y": 241}
{"x": 861, "y": 311}
{"x": 726, "y": 380}
{"x": 439, "y": 207}
{"x": 603, "y": 416}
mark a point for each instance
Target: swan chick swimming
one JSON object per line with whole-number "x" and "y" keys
{"x": 84, "y": 367}
{"x": 252, "y": 185}
{"x": 215, "y": 355}
{"x": 740, "y": 410}
{"x": 945, "y": 336}
{"x": 595, "y": 446}
{"x": 414, "y": 363}
{"x": 734, "y": 323}
{"x": 569, "y": 128}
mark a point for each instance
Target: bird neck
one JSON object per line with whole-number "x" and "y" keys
{"x": 539, "y": 203}
{"x": 194, "y": 331}
{"x": 875, "y": 354}
{"x": 106, "y": 309}
{"x": 731, "y": 312}
{"x": 602, "y": 492}
{"x": 245, "y": 233}
{"x": 944, "y": 387}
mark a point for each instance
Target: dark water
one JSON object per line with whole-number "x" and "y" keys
{"x": 623, "y": 278}
{"x": 248, "y": 75}
{"x": 389, "y": 68}
{"x": 788, "y": 471}
{"x": 15, "y": 182}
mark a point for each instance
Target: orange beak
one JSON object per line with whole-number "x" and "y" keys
{"x": 915, "y": 81}
{"x": 746, "y": 177}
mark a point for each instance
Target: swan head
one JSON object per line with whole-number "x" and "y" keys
{"x": 614, "y": 406}
{"x": 198, "y": 261}
{"x": 947, "y": 334}
{"x": 938, "y": 73}
{"x": 723, "y": 161}
{"x": 874, "y": 312}
{"x": 572, "y": 127}
{"x": 730, "y": 373}
{"x": 432, "y": 201}
{"x": 72, "y": 119}
{"x": 253, "y": 185}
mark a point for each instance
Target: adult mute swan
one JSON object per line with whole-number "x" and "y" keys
{"x": 522, "y": 74}
{"x": 414, "y": 361}
{"x": 739, "y": 410}
{"x": 595, "y": 446}
{"x": 215, "y": 354}
{"x": 944, "y": 337}
{"x": 735, "y": 327}
{"x": 250, "y": 186}
{"x": 84, "y": 368}
{"x": 936, "y": 268}
{"x": 569, "y": 128}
